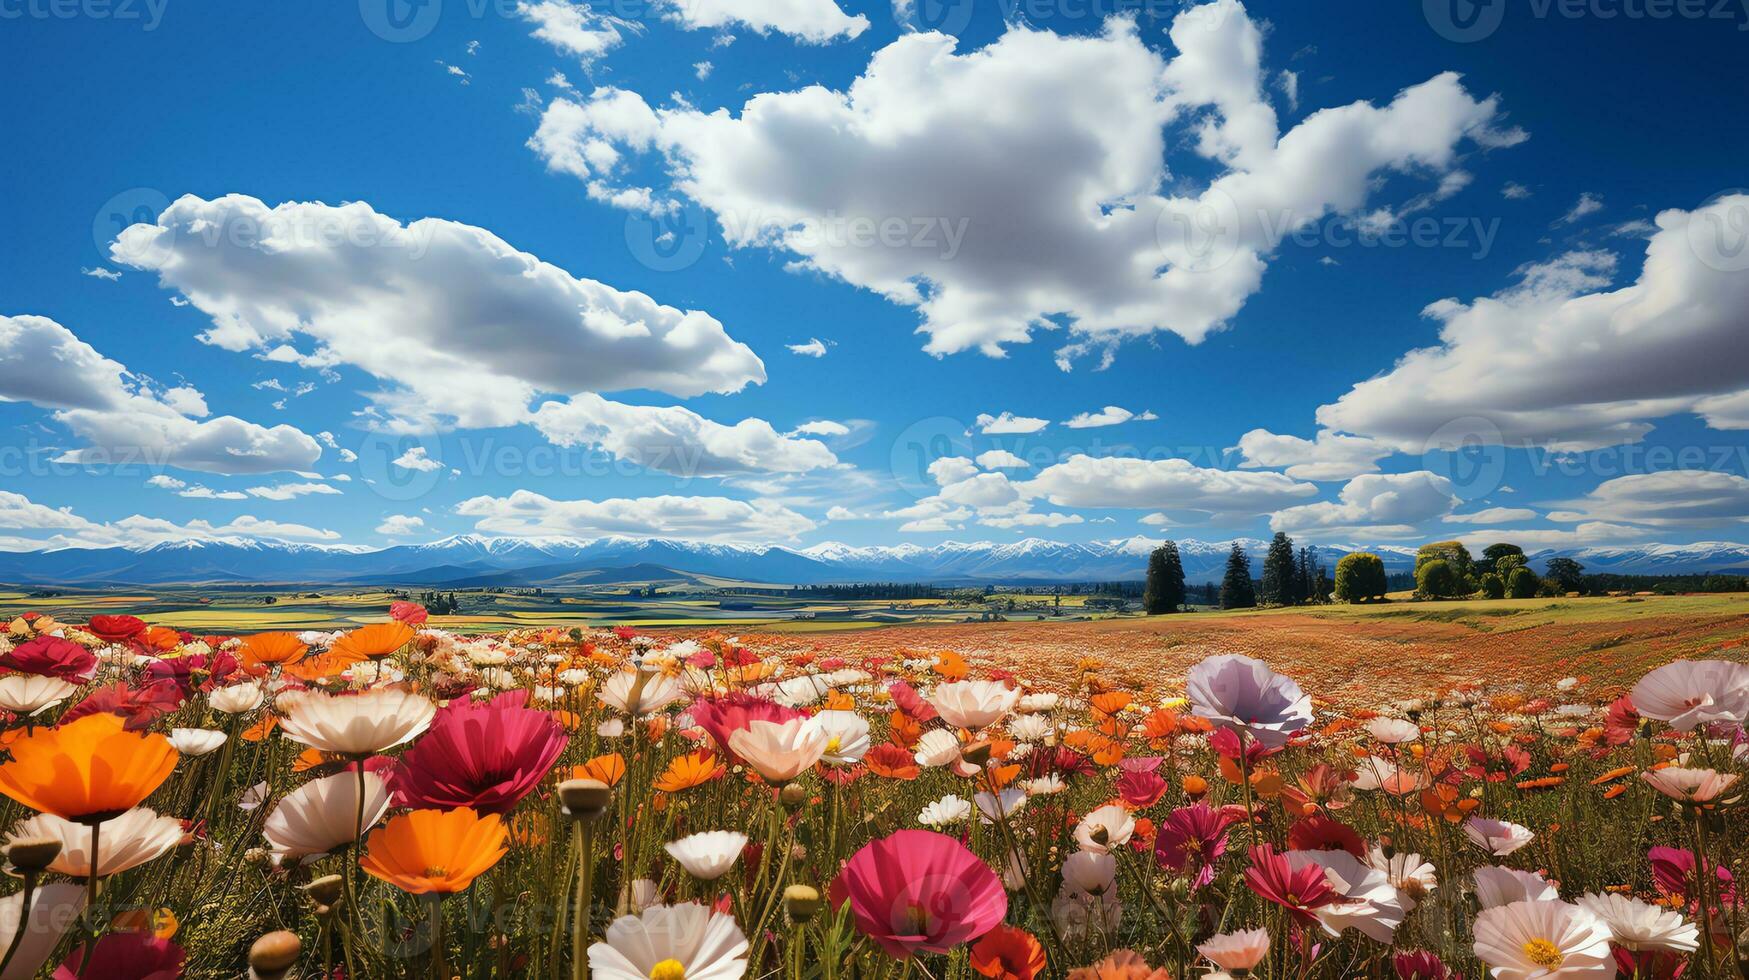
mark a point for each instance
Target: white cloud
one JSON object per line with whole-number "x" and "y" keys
{"x": 416, "y": 458}
{"x": 1109, "y": 415}
{"x": 289, "y": 491}
{"x": 401, "y": 525}
{"x": 125, "y": 420}
{"x": 677, "y": 440}
{"x": 1032, "y": 520}
{"x": 66, "y": 529}
{"x": 951, "y": 469}
{"x": 836, "y": 513}
{"x": 164, "y": 482}
{"x": 1672, "y": 498}
{"x": 815, "y": 347}
{"x": 821, "y": 427}
{"x": 1008, "y": 424}
{"x": 1328, "y": 456}
{"x": 1588, "y": 535}
{"x": 1383, "y": 504}
{"x": 1163, "y": 484}
{"x": 201, "y": 492}
{"x": 1587, "y": 204}
{"x": 108, "y": 275}
{"x": 465, "y": 329}
{"x": 1561, "y": 361}
{"x": 1083, "y": 234}
{"x": 575, "y": 29}
{"x": 528, "y": 514}
{"x": 1001, "y": 459}
{"x": 1514, "y": 191}
{"x": 1493, "y": 515}
{"x": 811, "y": 21}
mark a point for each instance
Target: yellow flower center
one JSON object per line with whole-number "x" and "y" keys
{"x": 437, "y": 871}
{"x": 832, "y": 744}
{"x": 917, "y": 921}
{"x": 1544, "y": 954}
{"x": 668, "y": 970}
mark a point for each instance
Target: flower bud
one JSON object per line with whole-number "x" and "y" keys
{"x": 976, "y": 753}
{"x": 801, "y": 901}
{"x": 274, "y": 954}
{"x": 324, "y": 891}
{"x": 585, "y": 799}
{"x": 792, "y": 796}
{"x": 31, "y": 854}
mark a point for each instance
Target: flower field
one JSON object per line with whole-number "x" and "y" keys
{"x": 398, "y": 800}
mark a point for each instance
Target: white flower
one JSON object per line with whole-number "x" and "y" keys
{"x": 1236, "y": 950}
{"x": 1044, "y": 785}
{"x": 1689, "y": 785}
{"x": 126, "y": 841}
{"x": 1036, "y": 703}
{"x": 707, "y": 856}
{"x": 945, "y": 812}
{"x": 1413, "y": 878}
{"x": 779, "y": 752}
{"x": 253, "y": 797}
{"x": 937, "y": 747}
{"x": 1639, "y": 925}
{"x": 1393, "y": 731}
{"x": 1370, "y": 902}
{"x": 195, "y": 742}
{"x": 322, "y": 814}
{"x": 671, "y": 942}
{"x": 1028, "y": 728}
{"x": 640, "y": 692}
{"x": 1689, "y": 693}
{"x": 1105, "y": 828}
{"x": 1497, "y": 837}
{"x": 1089, "y": 872}
{"x": 1082, "y": 916}
{"x": 236, "y": 699}
{"x": 1537, "y": 940}
{"x": 54, "y": 908}
{"x": 1243, "y": 694}
{"x": 27, "y": 694}
{"x": 1503, "y": 886}
{"x": 846, "y": 736}
{"x": 973, "y": 705}
{"x": 992, "y": 807}
{"x": 354, "y": 724}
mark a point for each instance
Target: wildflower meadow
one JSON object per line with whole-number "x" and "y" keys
{"x": 403, "y": 801}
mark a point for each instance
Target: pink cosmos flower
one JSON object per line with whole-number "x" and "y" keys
{"x": 485, "y": 755}
{"x": 125, "y": 956}
{"x": 722, "y": 716}
{"x": 1140, "y": 790}
{"x": 1241, "y": 693}
{"x": 1673, "y": 872}
{"x": 411, "y": 613}
{"x": 1300, "y": 891}
{"x": 1191, "y": 839}
{"x": 919, "y": 891}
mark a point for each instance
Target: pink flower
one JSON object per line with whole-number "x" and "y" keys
{"x": 51, "y": 656}
{"x": 1191, "y": 839}
{"x": 1242, "y": 694}
{"x": 918, "y": 891}
{"x": 1140, "y": 789}
{"x": 411, "y": 613}
{"x": 722, "y": 716}
{"x": 1300, "y": 891}
{"x": 125, "y": 956}
{"x": 1422, "y": 965}
{"x": 1673, "y": 872}
{"x": 486, "y": 756}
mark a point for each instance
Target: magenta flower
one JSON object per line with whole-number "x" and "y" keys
{"x": 125, "y": 956}
{"x": 1673, "y": 872}
{"x": 51, "y": 656}
{"x": 1422, "y": 965}
{"x": 918, "y": 891}
{"x": 482, "y": 755}
{"x": 1191, "y": 839}
{"x": 722, "y": 716}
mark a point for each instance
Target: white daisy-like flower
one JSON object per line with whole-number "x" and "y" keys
{"x": 1044, "y": 785}
{"x": 1639, "y": 925}
{"x": 27, "y": 694}
{"x": 1369, "y": 900}
{"x": 235, "y": 699}
{"x": 1393, "y": 731}
{"x": 639, "y": 692}
{"x": 992, "y": 807}
{"x": 1414, "y": 878}
{"x": 1543, "y": 941}
{"x": 1503, "y": 886}
{"x": 1028, "y": 728}
{"x": 709, "y": 855}
{"x": 127, "y": 841}
{"x": 938, "y": 747}
{"x": 1107, "y": 827}
{"x": 945, "y": 812}
{"x": 846, "y": 736}
{"x": 974, "y": 705}
{"x": 354, "y": 724}
{"x": 1089, "y": 872}
{"x": 671, "y": 942}
{"x": 321, "y": 815}
{"x": 196, "y": 742}
{"x": 1497, "y": 837}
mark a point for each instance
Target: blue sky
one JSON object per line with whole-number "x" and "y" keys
{"x": 639, "y": 209}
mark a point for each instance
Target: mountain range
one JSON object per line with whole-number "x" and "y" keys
{"x": 471, "y": 560}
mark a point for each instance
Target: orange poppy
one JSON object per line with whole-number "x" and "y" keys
{"x": 1008, "y": 953}
{"x": 88, "y": 770}
{"x": 904, "y": 729}
{"x": 441, "y": 851}
{"x": 160, "y": 638}
{"x": 1110, "y": 703}
{"x": 690, "y": 770}
{"x": 375, "y": 641}
{"x": 321, "y": 666}
{"x": 266, "y": 649}
{"x": 952, "y": 666}
{"x": 838, "y": 701}
{"x": 603, "y": 768}
{"x": 891, "y": 761}
{"x": 260, "y": 730}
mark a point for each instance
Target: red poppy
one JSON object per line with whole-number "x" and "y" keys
{"x": 1140, "y": 790}
{"x": 138, "y": 706}
{"x": 115, "y": 629}
{"x": 51, "y": 656}
{"x": 910, "y": 702}
{"x": 125, "y": 956}
{"x": 1008, "y": 953}
{"x": 1320, "y": 833}
{"x": 892, "y": 762}
{"x": 486, "y": 756}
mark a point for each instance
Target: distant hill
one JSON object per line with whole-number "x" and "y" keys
{"x": 471, "y": 560}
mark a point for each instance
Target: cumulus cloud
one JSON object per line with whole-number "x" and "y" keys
{"x": 1590, "y": 534}
{"x": 1163, "y": 485}
{"x": 123, "y": 419}
{"x": 416, "y": 458}
{"x": 951, "y": 469}
{"x": 1109, "y": 415}
{"x": 1492, "y": 515}
{"x": 401, "y": 525}
{"x": 809, "y": 21}
{"x": 525, "y": 513}
{"x": 40, "y": 527}
{"x": 462, "y": 328}
{"x": 1328, "y": 456}
{"x": 1561, "y": 361}
{"x": 815, "y": 347}
{"x": 1673, "y": 498}
{"x": 821, "y": 427}
{"x": 1001, "y": 459}
{"x": 1008, "y": 424}
{"x": 289, "y": 491}
{"x": 905, "y": 183}
{"x": 677, "y": 440}
{"x": 575, "y": 28}
{"x": 1383, "y": 504}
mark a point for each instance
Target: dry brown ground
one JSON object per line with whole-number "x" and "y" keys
{"x": 1344, "y": 659}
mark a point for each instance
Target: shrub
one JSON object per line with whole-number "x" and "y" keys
{"x": 1493, "y": 586}
{"x": 1436, "y": 579}
{"x": 1359, "y": 577}
{"x": 1524, "y": 583}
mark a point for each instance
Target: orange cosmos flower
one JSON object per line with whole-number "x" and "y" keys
{"x": 892, "y": 762}
{"x": 88, "y": 770}
{"x": 1110, "y": 703}
{"x": 603, "y": 768}
{"x": 440, "y": 851}
{"x": 375, "y": 641}
{"x": 952, "y": 666}
{"x": 1008, "y": 953}
{"x": 690, "y": 770}
{"x": 904, "y": 729}
{"x": 267, "y": 649}
{"x": 838, "y": 701}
